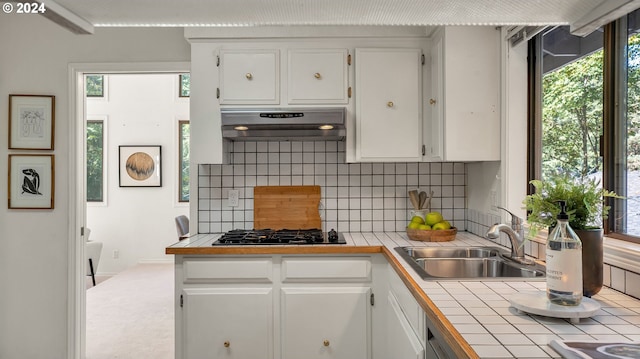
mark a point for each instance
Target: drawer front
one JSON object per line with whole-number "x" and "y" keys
{"x": 256, "y": 270}
{"x": 352, "y": 269}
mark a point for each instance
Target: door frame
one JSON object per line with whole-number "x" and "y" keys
{"x": 76, "y": 332}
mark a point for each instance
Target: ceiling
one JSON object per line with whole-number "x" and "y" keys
{"x": 220, "y": 13}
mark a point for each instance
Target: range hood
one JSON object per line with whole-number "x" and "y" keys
{"x": 283, "y": 124}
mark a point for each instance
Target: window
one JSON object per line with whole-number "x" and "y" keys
{"x": 95, "y": 85}
{"x": 626, "y": 128}
{"x": 185, "y": 85}
{"x": 585, "y": 113}
{"x": 183, "y": 160}
{"x": 95, "y": 161}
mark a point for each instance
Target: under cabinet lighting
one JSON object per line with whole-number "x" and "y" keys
{"x": 326, "y": 127}
{"x": 241, "y": 128}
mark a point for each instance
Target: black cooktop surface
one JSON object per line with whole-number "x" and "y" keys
{"x": 281, "y": 236}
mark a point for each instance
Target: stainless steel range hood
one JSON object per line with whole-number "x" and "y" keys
{"x": 280, "y": 124}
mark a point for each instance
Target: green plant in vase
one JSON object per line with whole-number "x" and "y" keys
{"x": 586, "y": 209}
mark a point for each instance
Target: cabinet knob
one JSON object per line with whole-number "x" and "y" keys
{"x": 390, "y": 104}
{"x": 317, "y": 75}
{"x": 249, "y": 76}
{"x": 432, "y": 101}
{"x": 326, "y": 343}
{"x": 227, "y": 344}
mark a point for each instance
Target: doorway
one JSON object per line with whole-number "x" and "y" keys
{"x": 78, "y": 173}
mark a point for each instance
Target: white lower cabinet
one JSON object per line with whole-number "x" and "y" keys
{"x": 402, "y": 342}
{"x": 325, "y": 322}
{"x": 227, "y": 323}
{"x": 264, "y": 307}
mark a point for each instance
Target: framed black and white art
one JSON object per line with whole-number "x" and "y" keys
{"x": 140, "y": 166}
{"x": 31, "y": 181}
{"x": 31, "y": 122}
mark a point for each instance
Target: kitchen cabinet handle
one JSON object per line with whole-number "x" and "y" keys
{"x": 432, "y": 101}
{"x": 326, "y": 343}
{"x": 390, "y": 104}
{"x": 227, "y": 344}
{"x": 249, "y": 76}
{"x": 317, "y": 75}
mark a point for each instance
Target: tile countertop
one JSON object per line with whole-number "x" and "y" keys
{"x": 477, "y": 311}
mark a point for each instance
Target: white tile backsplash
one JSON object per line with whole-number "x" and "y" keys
{"x": 356, "y": 197}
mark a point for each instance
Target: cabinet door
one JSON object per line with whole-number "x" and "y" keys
{"x": 402, "y": 342}
{"x": 388, "y": 105}
{"x": 436, "y": 102}
{"x": 227, "y": 323}
{"x": 323, "y": 322}
{"x": 318, "y": 76}
{"x": 249, "y": 77}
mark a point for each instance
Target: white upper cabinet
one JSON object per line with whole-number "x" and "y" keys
{"x": 317, "y": 76}
{"x": 388, "y": 95}
{"x": 249, "y": 77}
{"x": 465, "y": 98}
{"x": 312, "y": 76}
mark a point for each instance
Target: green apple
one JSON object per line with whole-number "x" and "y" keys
{"x": 417, "y": 219}
{"x": 414, "y": 225}
{"x": 424, "y": 227}
{"x": 442, "y": 225}
{"x": 432, "y": 218}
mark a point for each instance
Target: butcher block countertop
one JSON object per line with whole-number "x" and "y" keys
{"x": 474, "y": 316}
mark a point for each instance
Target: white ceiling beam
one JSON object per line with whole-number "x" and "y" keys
{"x": 606, "y": 12}
{"x": 65, "y": 18}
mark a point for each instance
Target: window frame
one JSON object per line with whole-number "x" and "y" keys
{"x": 104, "y": 121}
{"x": 182, "y": 123}
{"x": 614, "y": 88}
{"x": 180, "y": 79}
{"x": 103, "y": 87}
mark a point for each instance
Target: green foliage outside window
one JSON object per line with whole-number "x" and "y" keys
{"x": 185, "y": 85}
{"x": 184, "y": 161}
{"x": 572, "y": 118}
{"x": 573, "y": 110}
{"x": 95, "y": 85}
{"x": 633, "y": 103}
{"x": 95, "y": 160}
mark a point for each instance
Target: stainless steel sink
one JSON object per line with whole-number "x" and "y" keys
{"x": 467, "y": 263}
{"x": 450, "y": 252}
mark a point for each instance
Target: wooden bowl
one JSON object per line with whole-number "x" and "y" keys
{"x": 443, "y": 235}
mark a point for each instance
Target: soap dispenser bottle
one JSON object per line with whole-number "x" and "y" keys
{"x": 564, "y": 262}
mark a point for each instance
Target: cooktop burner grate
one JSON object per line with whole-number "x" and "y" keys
{"x": 281, "y": 236}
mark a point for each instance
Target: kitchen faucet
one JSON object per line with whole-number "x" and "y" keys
{"x": 515, "y": 232}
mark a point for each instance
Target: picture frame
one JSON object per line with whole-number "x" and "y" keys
{"x": 31, "y": 181}
{"x": 140, "y": 166}
{"x": 31, "y": 122}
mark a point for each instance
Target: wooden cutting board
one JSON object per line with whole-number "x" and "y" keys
{"x": 286, "y": 207}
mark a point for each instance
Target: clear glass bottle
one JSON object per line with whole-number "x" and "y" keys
{"x": 564, "y": 263}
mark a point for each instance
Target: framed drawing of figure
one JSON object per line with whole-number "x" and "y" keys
{"x": 31, "y": 181}
{"x": 31, "y": 122}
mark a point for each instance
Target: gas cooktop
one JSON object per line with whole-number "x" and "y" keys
{"x": 281, "y": 236}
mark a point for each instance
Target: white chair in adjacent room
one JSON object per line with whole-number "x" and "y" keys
{"x": 182, "y": 226}
{"x": 92, "y": 252}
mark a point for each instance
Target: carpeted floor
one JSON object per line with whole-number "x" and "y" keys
{"x": 131, "y": 315}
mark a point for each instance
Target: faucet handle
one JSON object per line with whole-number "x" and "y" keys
{"x": 515, "y": 220}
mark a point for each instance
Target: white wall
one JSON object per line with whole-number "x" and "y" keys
{"x": 34, "y": 254}
{"x": 138, "y": 222}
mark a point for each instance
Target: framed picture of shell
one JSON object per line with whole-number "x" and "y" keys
{"x": 31, "y": 181}
{"x": 140, "y": 166}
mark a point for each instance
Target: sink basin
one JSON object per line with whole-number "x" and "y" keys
{"x": 467, "y": 263}
{"x": 451, "y": 252}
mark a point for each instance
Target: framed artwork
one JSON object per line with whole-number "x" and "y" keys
{"x": 140, "y": 166}
{"x": 31, "y": 122}
{"x": 31, "y": 181}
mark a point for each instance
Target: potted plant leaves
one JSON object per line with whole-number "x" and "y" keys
{"x": 586, "y": 209}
